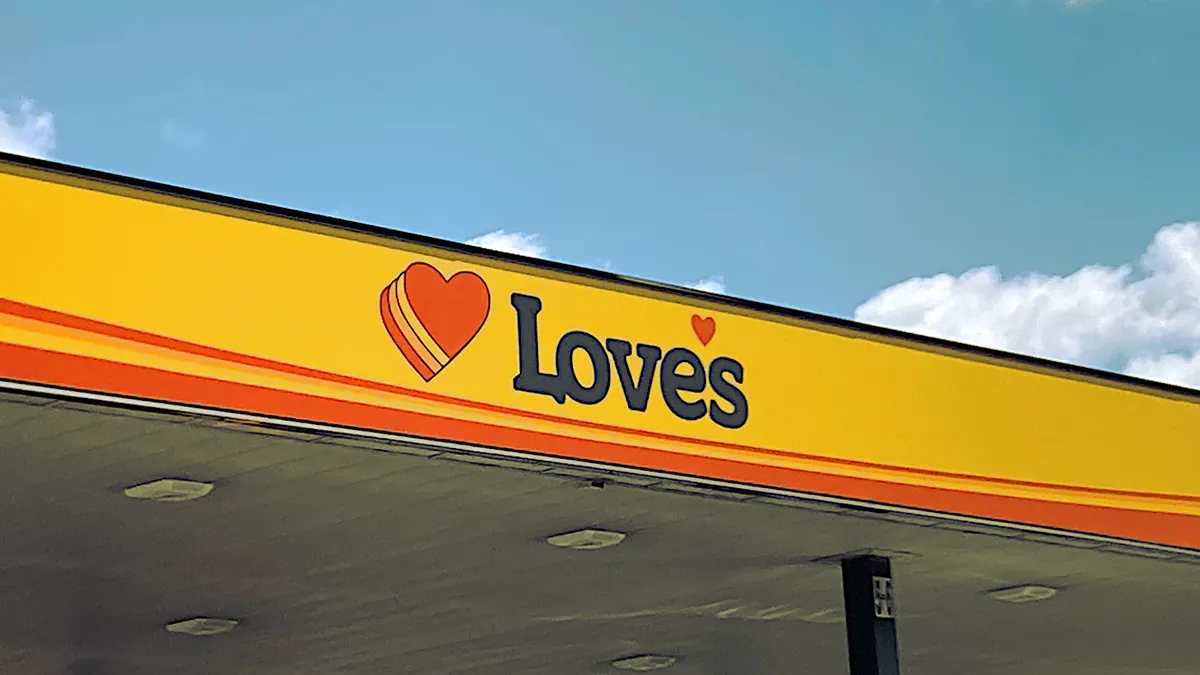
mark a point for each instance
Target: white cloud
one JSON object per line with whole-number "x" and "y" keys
{"x": 519, "y": 243}
{"x": 1170, "y": 368}
{"x": 26, "y": 131}
{"x": 711, "y": 285}
{"x": 1142, "y": 318}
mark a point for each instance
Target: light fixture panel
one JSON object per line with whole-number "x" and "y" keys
{"x": 169, "y": 490}
{"x": 202, "y": 626}
{"x": 644, "y": 663}
{"x": 586, "y": 540}
{"x": 1023, "y": 594}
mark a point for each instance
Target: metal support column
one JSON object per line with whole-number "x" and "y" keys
{"x": 870, "y": 616}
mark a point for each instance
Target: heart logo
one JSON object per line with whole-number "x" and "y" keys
{"x": 704, "y": 328}
{"x": 431, "y": 318}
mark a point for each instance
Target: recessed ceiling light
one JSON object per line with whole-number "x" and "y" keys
{"x": 1020, "y": 594}
{"x": 202, "y": 626}
{"x": 169, "y": 490}
{"x": 644, "y": 663}
{"x": 586, "y": 540}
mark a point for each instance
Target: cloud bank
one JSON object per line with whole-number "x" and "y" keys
{"x": 26, "y": 130}
{"x": 711, "y": 285}
{"x": 1141, "y": 318}
{"x": 518, "y": 243}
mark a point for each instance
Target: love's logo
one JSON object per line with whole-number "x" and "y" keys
{"x": 704, "y": 328}
{"x": 430, "y": 318}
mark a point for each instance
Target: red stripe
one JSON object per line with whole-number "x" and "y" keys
{"x": 37, "y": 365}
{"x": 398, "y": 337}
{"x": 101, "y": 328}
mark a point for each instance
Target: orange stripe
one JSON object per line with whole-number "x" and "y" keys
{"x": 89, "y": 325}
{"x": 404, "y": 303}
{"x": 397, "y": 334}
{"x": 184, "y": 363}
{"x": 46, "y": 367}
{"x": 410, "y": 333}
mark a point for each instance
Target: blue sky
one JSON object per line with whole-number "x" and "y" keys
{"x": 810, "y": 154}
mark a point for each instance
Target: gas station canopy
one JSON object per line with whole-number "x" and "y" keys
{"x": 242, "y": 439}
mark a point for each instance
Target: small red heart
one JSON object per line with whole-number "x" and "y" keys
{"x": 704, "y": 328}
{"x": 432, "y": 318}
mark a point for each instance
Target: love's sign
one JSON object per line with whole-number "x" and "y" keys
{"x": 431, "y": 319}
{"x": 304, "y": 319}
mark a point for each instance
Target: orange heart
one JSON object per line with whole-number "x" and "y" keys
{"x": 431, "y": 318}
{"x": 704, "y": 328}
